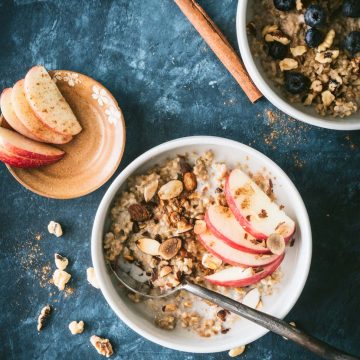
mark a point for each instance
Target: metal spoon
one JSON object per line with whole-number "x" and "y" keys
{"x": 269, "y": 322}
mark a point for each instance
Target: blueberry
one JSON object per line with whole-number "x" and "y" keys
{"x": 277, "y": 51}
{"x": 314, "y": 37}
{"x": 285, "y": 5}
{"x": 296, "y": 83}
{"x": 351, "y": 8}
{"x": 352, "y": 42}
{"x": 315, "y": 16}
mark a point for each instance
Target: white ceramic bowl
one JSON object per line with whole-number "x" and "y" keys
{"x": 298, "y": 111}
{"x": 295, "y": 266}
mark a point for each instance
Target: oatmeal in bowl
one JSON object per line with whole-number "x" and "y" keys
{"x": 305, "y": 57}
{"x": 170, "y": 216}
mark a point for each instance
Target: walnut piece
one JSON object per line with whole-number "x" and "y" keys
{"x": 76, "y": 327}
{"x": 44, "y": 313}
{"x": 298, "y": 50}
{"x": 277, "y": 36}
{"x": 328, "y": 41}
{"x": 237, "y": 351}
{"x": 288, "y": 64}
{"x": 316, "y": 86}
{"x": 327, "y": 98}
{"x": 61, "y": 262}
{"x": 327, "y": 56}
{"x": 103, "y": 346}
{"x": 91, "y": 277}
{"x": 61, "y": 278}
{"x": 55, "y": 228}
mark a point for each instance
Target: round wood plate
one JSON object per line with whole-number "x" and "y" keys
{"x": 93, "y": 155}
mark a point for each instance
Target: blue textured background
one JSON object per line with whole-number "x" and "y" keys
{"x": 169, "y": 85}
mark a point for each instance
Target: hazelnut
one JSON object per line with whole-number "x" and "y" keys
{"x": 190, "y": 181}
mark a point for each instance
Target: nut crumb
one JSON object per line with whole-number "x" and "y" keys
{"x": 76, "y": 327}
{"x": 61, "y": 262}
{"x": 237, "y": 351}
{"x": 103, "y": 346}
{"x": 91, "y": 277}
{"x": 44, "y": 313}
{"x": 55, "y": 228}
{"x": 61, "y": 278}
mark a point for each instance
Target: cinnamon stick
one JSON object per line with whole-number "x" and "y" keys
{"x": 219, "y": 45}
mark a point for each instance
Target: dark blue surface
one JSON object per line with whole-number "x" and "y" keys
{"x": 169, "y": 85}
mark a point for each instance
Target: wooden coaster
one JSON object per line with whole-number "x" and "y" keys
{"x": 93, "y": 155}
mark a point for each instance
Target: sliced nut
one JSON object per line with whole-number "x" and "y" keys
{"x": 55, "y": 228}
{"x": 166, "y": 270}
{"x": 61, "y": 278}
{"x": 327, "y": 98}
{"x": 148, "y": 246}
{"x": 210, "y": 261}
{"x": 277, "y": 36}
{"x": 150, "y": 190}
{"x": 44, "y": 313}
{"x": 276, "y": 243}
{"x": 138, "y": 212}
{"x": 169, "y": 248}
{"x": 103, "y": 346}
{"x": 200, "y": 227}
{"x": 269, "y": 29}
{"x": 237, "y": 351}
{"x": 298, "y": 50}
{"x": 288, "y": 64}
{"x": 91, "y": 277}
{"x": 316, "y": 86}
{"x": 61, "y": 262}
{"x": 327, "y": 56}
{"x": 171, "y": 190}
{"x": 76, "y": 327}
{"x": 328, "y": 41}
{"x": 190, "y": 181}
{"x": 252, "y": 298}
{"x": 183, "y": 226}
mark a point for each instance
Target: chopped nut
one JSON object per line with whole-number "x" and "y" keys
{"x": 327, "y": 98}
{"x": 190, "y": 181}
{"x": 91, "y": 277}
{"x": 221, "y": 314}
{"x": 167, "y": 322}
{"x": 171, "y": 190}
{"x": 55, "y": 228}
{"x": 252, "y": 298}
{"x": 298, "y": 50}
{"x": 327, "y": 56}
{"x": 277, "y": 36}
{"x": 309, "y": 99}
{"x": 61, "y": 262}
{"x": 183, "y": 226}
{"x": 288, "y": 64}
{"x": 103, "y": 346}
{"x": 210, "y": 261}
{"x": 299, "y": 5}
{"x": 276, "y": 243}
{"x": 76, "y": 327}
{"x": 200, "y": 227}
{"x": 44, "y": 313}
{"x": 61, "y": 278}
{"x": 269, "y": 29}
{"x": 316, "y": 86}
{"x": 139, "y": 213}
{"x": 237, "y": 351}
{"x": 148, "y": 246}
{"x": 187, "y": 304}
{"x": 184, "y": 166}
{"x": 166, "y": 270}
{"x": 328, "y": 41}
{"x": 150, "y": 190}
{"x": 169, "y": 248}
{"x": 169, "y": 308}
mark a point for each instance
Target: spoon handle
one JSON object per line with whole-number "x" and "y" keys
{"x": 271, "y": 323}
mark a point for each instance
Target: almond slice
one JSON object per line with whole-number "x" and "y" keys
{"x": 150, "y": 190}
{"x": 171, "y": 190}
{"x": 252, "y": 298}
{"x": 148, "y": 246}
{"x": 276, "y": 243}
{"x": 169, "y": 248}
{"x": 210, "y": 261}
{"x": 166, "y": 270}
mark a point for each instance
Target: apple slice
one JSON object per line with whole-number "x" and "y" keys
{"x": 28, "y": 118}
{"x": 254, "y": 210}
{"x": 10, "y": 116}
{"x": 223, "y": 224}
{"x": 12, "y": 159}
{"x": 239, "y": 276}
{"x": 233, "y": 256}
{"x": 48, "y": 103}
{"x": 21, "y": 146}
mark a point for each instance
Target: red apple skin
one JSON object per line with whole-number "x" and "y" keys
{"x": 267, "y": 270}
{"x": 19, "y": 145}
{"x": 229, "y": 242}
{"x": 242, "y": 220}
{"x": 228, "y": 261}
{"x": 21, "y": 162}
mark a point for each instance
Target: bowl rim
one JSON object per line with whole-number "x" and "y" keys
{"x": 267, "y": 91}
{"x": 106, "y": 287}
